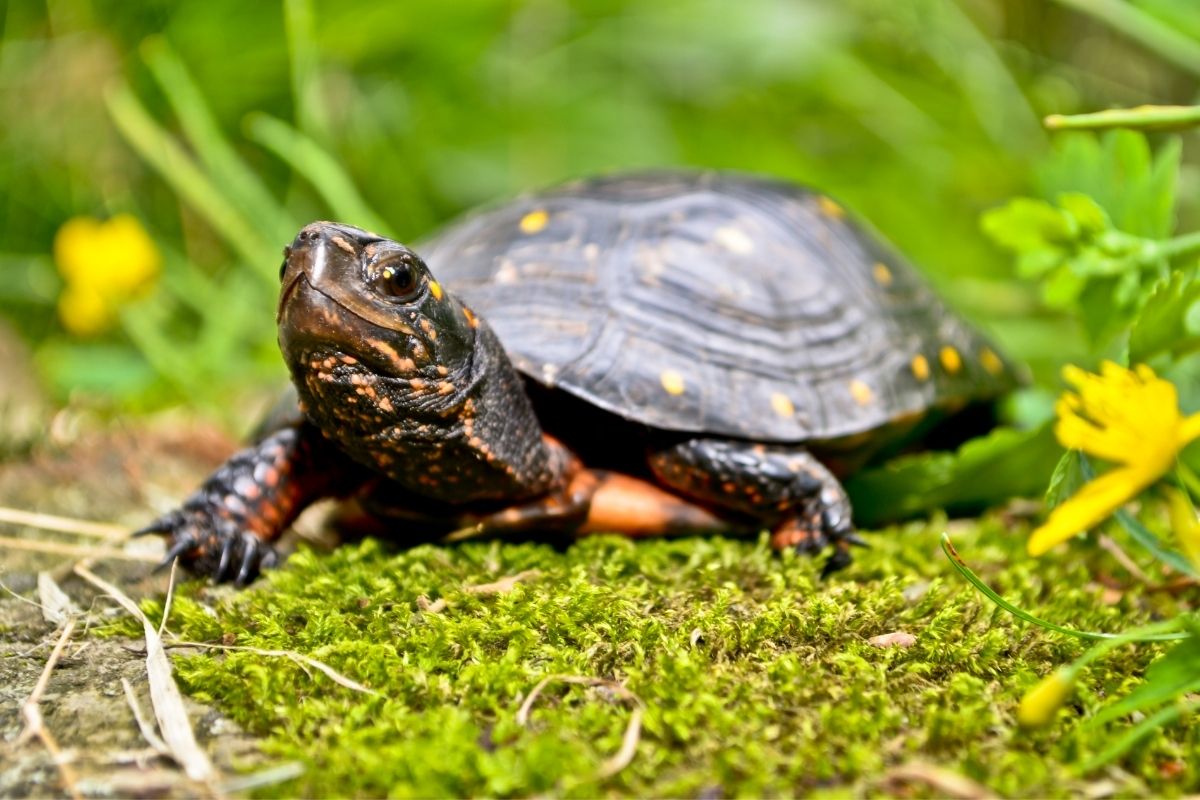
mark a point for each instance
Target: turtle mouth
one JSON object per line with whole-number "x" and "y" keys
{"x": 288, "y": 290}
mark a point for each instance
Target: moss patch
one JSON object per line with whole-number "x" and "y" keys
{"x": 757, "y": 678}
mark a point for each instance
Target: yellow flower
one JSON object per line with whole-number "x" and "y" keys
{"x": 1128, "y": 417}
{"x": 1185, "y": 524}
{"x": 84, "y": 311}
{"x": 1042, "y": 702}
{"x": 104, "y": 264}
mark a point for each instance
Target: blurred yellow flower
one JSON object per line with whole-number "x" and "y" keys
{"x": 1128, "y": 417}
{"x": 104, "y": 264}
{"x": 1042, "y": 702}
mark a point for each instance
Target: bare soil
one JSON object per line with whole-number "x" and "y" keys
{"x": 119, "y": 475}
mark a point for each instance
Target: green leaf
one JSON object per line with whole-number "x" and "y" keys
{"x": 1005, "y": 463}
{"x": 1118, "y": 172}
{"x": 1035, "y": 263}
{"x": 1086, "y": 211}
{"x": 1098, "y": 313}
{"x": 1063, "y": 287}
{"x": 1162, "y": 325}
{"x": 1025, "y": 224}
{"x": 1066, "y": 480}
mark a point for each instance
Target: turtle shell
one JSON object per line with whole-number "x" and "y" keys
{"x": 714, "y": 302}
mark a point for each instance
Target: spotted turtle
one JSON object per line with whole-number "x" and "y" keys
{"x": 655, "y": 353}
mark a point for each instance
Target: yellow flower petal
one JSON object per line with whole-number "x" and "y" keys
{"x": 1089, "y": 506}
{"x": 116, "y": 258}
{"x": 1042, "y": 702}
{"x": 1129, "y": 417}
{"x": 85, "y": 312}
{"x": 1189, "y": 430}
{"x": 73, "y": 245}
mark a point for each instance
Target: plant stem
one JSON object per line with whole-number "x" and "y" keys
{"x": 1180, "y": 246}
{"x": 1155, "y": 35}
{"x": 1147, "y": 118}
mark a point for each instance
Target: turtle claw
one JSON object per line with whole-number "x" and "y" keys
{"x": 178, "y": 548}
{"x": 212, "y": 543}
{"x": 223, "y": 565}
{"x": 852, "y": 538}
{"x": 159, "y": 526}
{"x": 258, "y": 554}
{"x": 838, "y": 560}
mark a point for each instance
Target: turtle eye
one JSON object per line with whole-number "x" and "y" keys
{"x": 397, "y": 279}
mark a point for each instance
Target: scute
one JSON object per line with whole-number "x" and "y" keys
{"x": 714, "y": 302}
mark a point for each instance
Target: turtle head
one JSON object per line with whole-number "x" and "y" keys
{"x": 401, "y": 374}
{"x": 365, "y": 327}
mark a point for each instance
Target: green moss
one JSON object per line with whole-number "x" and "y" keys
{"x": 757, "y": 678}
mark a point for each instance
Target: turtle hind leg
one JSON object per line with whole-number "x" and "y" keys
{"x": 784, "y": 488}
{"x": 600, "y": 501}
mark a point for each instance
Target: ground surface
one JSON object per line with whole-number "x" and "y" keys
{"x": 752, "y": 677}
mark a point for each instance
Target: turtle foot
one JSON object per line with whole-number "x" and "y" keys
{"x": 212, "y": 543}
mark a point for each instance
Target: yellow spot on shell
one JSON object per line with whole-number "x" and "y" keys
{"x": 734, "y": 240}
{"x": 830, "y": 208}
{"x": 920, "y": 367}
{"x": 951, "y": 360}
{"x": 471, "y": 318}
{"x": 883, "y": 275}
{"x": 861, "y": 393}
{"x": 534, "y": 221}
{"x": 783, "y": 405}
{"x": 436, "y": 289}
{"x": 990, "y": 361}
{"x": 672, "y": 382}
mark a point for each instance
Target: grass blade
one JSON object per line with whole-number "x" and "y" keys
{"x": 211, "y": 145}
{"x": 1137, "y": 733}
{"x": 1150, "y": 633}
{"x": 300, "y": 24}
{"x": 177, "y": 168}
{"x": 321, "y": 169}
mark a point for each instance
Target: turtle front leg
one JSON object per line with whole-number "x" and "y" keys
{"x": 225, "y": 528}
{"x": 784, "y": 488}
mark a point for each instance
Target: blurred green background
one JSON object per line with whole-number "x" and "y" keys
{"x": 222, "y": 126}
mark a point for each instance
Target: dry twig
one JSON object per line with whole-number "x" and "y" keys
{"x": 299, "y": 658}
{"x": 56, "y": 607}
{"x": 80, "y": 550}
{"x": 943, "y": 782}
{"x": 431, "y": 606}
{"x": 35, "y": 725}
{"x": 633, "y": 731}
{"x": 164, "y": 694}
{"x": 504, "y": 585}
{"x": 49, "y": 522}
{"x": 148, "y": 732}
{"x": 1123, "y": 559}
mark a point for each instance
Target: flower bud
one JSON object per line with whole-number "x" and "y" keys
{"x": 1041, "y": 703}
